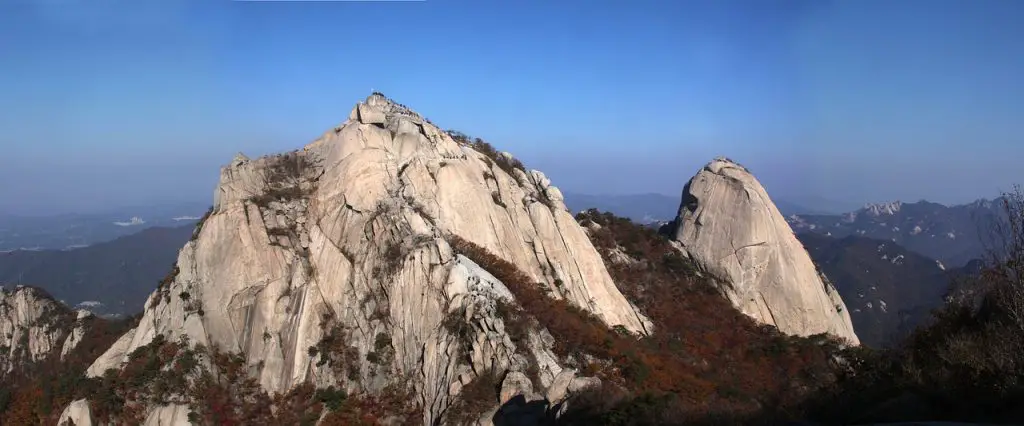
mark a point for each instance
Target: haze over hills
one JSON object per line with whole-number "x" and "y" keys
{"x": 903, "y": 294}
{"x": 888, "y": 289}
{"x": 388, "y": 245}
{"x": 429, "y": 251}
{"x": 363, "y": 265}
{"x": 953, "y": 235}
{"x": 74, "y": 230}
{"x": 112, "y": 277}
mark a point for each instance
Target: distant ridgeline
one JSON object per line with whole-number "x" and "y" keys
{"x": 390, "y": 272}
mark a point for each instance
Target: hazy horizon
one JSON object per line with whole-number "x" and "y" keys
{"x": 118, "y": 103}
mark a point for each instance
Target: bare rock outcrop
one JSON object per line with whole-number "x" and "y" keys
{"x": 349, "y": 237}
{"x": 34, "y": 326}
{"x": 732, "y": 230}
{"x": 77, "y": 413}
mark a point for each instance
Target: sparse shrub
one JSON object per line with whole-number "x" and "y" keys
{"x": 492, "y": 156}
{"x": 496, "y": 197}
{"x": 382, "y": 352}
{"x": 283, "y": 177}
{"x": 199, "y": 225}
{"x": 456, "y": 325}
{"x": 164, "y": 287}
{"x": 391, "y": 261}
{"x": 382, "y": 341}
{"x": 335, "y": 351}
{"x": 331, "y": 398}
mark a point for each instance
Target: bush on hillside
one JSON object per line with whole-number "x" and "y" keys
{"x": 283, "y": 177}
{"x": 475, "y": 398}
{"x": 36, "y": 392}
{"x": 505, "y": 162}
{"x": 705, "y": 359}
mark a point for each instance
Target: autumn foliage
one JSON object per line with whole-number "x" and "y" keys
{"x": 37, "y": 392}
{"x": 706, "y": 362}
{"x": 967, "y": 365}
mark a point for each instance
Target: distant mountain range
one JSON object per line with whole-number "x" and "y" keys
{"x": 70, "y": 231}
{"x": 651, "y": 208}
{"x": 113, "y": 277}
{"x": 952, "y": 234}
{"x": 888, "y": 289}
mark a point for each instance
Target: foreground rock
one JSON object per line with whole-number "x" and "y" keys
{"x": 333, "y": 265}
{"x": 729, "y": 226}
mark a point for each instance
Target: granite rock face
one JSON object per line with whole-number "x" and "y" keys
{"x": 33, "y": 327}
{"x": 350, "y": 234}
{"x": 731, "y": 229}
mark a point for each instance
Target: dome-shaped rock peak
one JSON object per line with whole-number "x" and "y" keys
{"x": 731, "y": 229}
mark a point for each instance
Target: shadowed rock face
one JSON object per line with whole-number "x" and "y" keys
{"x": 351, "y": 232}
{"x": 729, "y": 226}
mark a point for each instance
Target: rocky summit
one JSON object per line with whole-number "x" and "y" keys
{"x": 367, "y": 242}
{"x": 730, "y": 228}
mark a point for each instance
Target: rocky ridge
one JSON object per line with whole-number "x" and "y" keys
{"x": 954, "y": 235}
{"x": 349, "y": 241}
{"x": 34, "y": 326}
{"x": 730, "y": 228}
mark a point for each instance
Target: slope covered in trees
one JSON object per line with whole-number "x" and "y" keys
{"x": 706, "y": 363}
{"x": 966, "y": 365}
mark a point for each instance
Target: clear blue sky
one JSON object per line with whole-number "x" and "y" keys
{"x": 106, "y": 103}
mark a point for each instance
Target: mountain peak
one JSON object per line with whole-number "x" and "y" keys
{"x": 730, "y": 227}
{"x": 380, "y": 235}
{"x": 879, "y": 209}
{"x": 718, "y": 164}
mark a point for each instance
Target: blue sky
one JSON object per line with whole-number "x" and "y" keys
{"x": 111, "y": 102}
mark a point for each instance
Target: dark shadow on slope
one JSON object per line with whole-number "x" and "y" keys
{"x": 520, "y": 412}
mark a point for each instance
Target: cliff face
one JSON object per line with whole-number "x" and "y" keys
{"x": 348, "y": 240}
{"x": 729, "y": 226}
{"x": 33, "y": 327}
